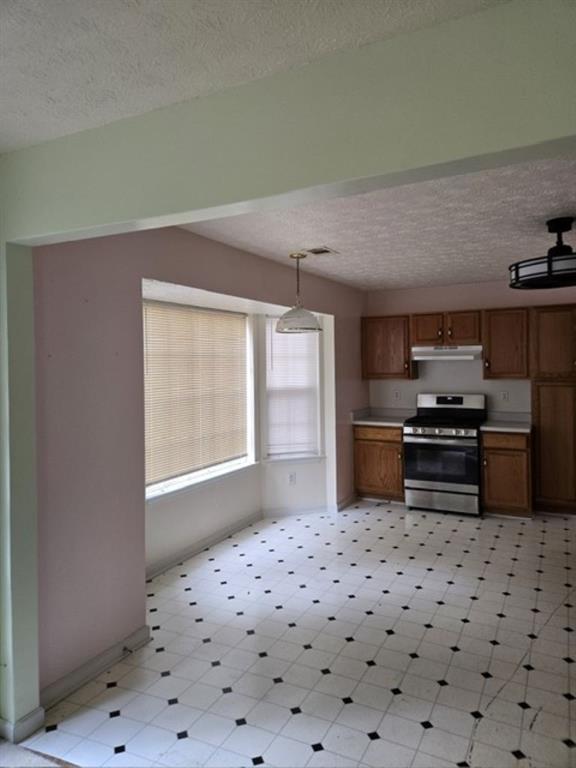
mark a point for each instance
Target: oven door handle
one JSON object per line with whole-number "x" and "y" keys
{"x": 463, "y": 442}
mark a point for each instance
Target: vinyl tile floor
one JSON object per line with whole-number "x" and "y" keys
{"x": 376, "y": 637}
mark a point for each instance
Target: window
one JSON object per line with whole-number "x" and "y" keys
{"x": 196, "y": 389}
{"x": 292, "y": 393}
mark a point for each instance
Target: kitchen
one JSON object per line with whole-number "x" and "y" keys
{"x": 525, "y": 457}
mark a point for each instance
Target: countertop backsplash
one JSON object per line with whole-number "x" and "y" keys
{"x": 509, "y": 399}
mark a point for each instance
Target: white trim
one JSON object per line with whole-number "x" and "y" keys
{"x": 23, "y": 727}
{"x": 294, "y": 458}
{"x": 181, "y": 483}
{"x": 199, "y": 546}
{"x": 291, "y": 512}
{"x": 63, "y": 687}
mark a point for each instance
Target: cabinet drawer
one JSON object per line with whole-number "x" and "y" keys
{"x": 505, "y": 440}
{"x": 385, "y": 434}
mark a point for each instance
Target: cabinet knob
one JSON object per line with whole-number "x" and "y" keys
{"x": 400, "y": 456}
{"x": 485, "y": 462}
{"x": 405, "y": 366}
{"x": 486, "y": 364}
{"x": 439, "y": 331}
{"x": 450, "y": 332}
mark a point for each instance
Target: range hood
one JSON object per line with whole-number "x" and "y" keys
{"x": 469, "y": 352}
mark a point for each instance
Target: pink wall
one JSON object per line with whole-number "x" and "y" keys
{"x": 90, "y": 417}
{"x": 466, "y": 296}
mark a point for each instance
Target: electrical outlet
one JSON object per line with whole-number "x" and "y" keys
{"x": 292, "y": 478}
{"x": 397, "y": 395}
{"x": 505, "y": 396}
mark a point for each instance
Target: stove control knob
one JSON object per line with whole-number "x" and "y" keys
{"x": 460, "y": 432}
{"x": 439, "y": 431}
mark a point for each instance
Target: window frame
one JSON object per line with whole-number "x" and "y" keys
{"x": 216, "y": 471}
{"x": 263, "y": 402}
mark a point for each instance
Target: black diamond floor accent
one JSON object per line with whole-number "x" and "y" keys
{"x": 171, "y": 702}
{"x": 370, "y": 663}
{"x": 486, "y": 675}
{"x": 182, "y": 735}
{"x": 442, "y": 682}
{"x": 119, "y": 749}
{"x": 396, "y": 691}
{"x": 278, "y": 680}
{"x": 296, "y": 710}
{"x": 115, "y": 713}
{"x": 111, "y": 685}
{"x": 414, "y": 656}
{"x": 518, "y": 754}
{"x": 241, "y": 721}
{"x": 523, "y": 705}
{"x": 166, "y": 673}
{"x": 317, "y": 747}
{"x": 477, "y": 715}
{"x": 568, "y": 696}
{"x": 50, "y": 728}
{"x": 426, "y": 724}
{"x": 347, "y": 700}
{"x": 227, "y": 690}
{"x": 373, "y": 736}
{"x": 325, "y": 671}
{"x": 257, "y": 760}
{"x": 528, "y": 667}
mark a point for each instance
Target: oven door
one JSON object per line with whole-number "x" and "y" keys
{"x": 442, "y": 464}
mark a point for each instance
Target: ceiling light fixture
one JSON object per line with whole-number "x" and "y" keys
{"x": 556, "y": 270}
{"x": 298, "y": 319}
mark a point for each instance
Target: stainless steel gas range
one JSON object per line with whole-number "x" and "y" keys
{"x": 442, "y": 453}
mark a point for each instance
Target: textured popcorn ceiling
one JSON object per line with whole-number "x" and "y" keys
{"x": 456, "y": 230}
{"x": 68, "y": 65}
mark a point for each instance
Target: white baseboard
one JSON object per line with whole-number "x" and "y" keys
{"x": 22, "y": 728}
{"x": 164, "y": 565}
{"x": 291, "y": 512}
{"x": 63, "y": 687}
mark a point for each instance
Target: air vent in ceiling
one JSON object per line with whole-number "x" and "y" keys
{"x": 320, "y": 250}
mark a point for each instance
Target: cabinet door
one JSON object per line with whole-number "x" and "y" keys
{"x": 427, "y": 330}
{"x": 378, "y": 468}
{"x": 505, "y": 339}
{"x": 385, "y": 352}
{"x": 553, "y": 336}
{"x": 555, "y": 433}
{"x": 506, "y": 480}
{"x": 462, "y": 328}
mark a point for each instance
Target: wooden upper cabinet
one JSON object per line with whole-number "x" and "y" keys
{"x": 553, "y": 342}
{"x": 505, "y": 340}
{"x": 385, "y": 348}
{"x": 462, "y": 328}
{"x": 445, "y": 328}
{"x": 555, "y": 435}
{"x": 427, "y": 329}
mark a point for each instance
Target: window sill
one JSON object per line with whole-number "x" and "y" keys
{"x": 185, "y": 482}
{"x": 293, "y": 458}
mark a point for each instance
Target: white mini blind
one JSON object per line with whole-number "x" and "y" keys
{"x": 292, "y": 392}
{"x": 195, "y": 375}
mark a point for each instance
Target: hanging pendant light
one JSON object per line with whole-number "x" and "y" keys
{"x": 298, "y": 319}
{"x": 556, "y": 270}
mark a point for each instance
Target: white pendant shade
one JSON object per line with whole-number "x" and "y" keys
{"x": 298, "y": 320}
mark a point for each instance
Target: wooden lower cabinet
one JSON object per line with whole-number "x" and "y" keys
{"x": 378, "y": 465}
{"x": 554, "y": 405}
{"x": 506, "y": 474}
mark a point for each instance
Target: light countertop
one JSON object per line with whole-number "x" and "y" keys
{"x": 522, "y": 427}
{"x": 379, "y": 421}
{"x": 492, "y": 425}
